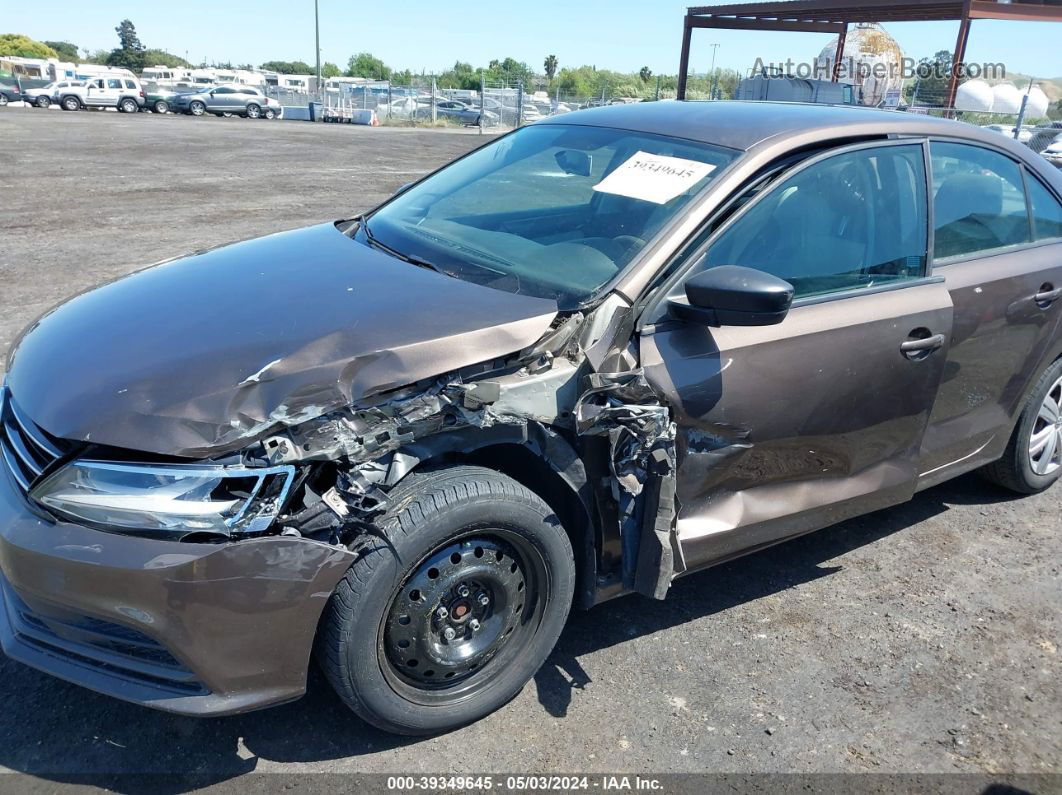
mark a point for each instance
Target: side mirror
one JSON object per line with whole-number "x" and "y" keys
{"x": 574, "y": 162}
{"x": 730, "y": 295}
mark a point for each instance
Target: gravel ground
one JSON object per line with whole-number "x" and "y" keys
{"x": 919, "y": 639}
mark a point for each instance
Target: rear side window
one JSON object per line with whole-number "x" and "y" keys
{"x": 978, "y": 201}
{"x": 854, "y": 220}
{"x": 130, "y": 84}
{"x": 1046, "y": 210}
{"x": 112, "y": 83}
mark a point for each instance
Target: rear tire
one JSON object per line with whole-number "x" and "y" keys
{"x": 1032, "y": 461}
{"x": 71, "y": 103}
{"x": 43, "y": 102}
{"x": 466, "y": 538}
{"x": 128, "y": 106}
{"x": 197, "y": 108}
{"x": 253, "y": 111}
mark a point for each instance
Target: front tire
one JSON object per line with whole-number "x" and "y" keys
{"x": 43, "y": 102}
{"x": 1032, "y": 461}
{"x": 3, "y": 100}
{"x": 161, "y": 106}
{"x": 270, "y": 114}
{"x": 449, "y": 612}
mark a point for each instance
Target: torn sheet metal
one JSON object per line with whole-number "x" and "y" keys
{"x": 204, "y": 355}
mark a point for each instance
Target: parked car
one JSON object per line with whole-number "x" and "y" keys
{"x": 9, "y": 93}
{"x": 458, "y": 111}
{"x": 1053, "y": 154}
{"x": 229, "y": 99}
{"x": 123, "y": 92}
{"x": 159, "y": 99}
{"x": 45, "y": 96}
{"x": 593, "y": 356}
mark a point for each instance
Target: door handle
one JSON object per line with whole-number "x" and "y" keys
{"x": 1048, "y": 295}
{"x": 921, "y": 347}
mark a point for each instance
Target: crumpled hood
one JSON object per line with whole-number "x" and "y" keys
{"x": 204, "y": 354}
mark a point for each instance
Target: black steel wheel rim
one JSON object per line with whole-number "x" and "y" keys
{"x": 463, "y": 613}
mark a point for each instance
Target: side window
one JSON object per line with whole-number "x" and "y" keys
{"x": 113, "y": 83}
{"x": 854, "y": 220}
{"x": 1046, "y": 210}
{"x": 978, "y": 201}
{"x": 130, "y": 84}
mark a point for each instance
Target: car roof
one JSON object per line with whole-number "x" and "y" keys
{"x": 743, "y": 124}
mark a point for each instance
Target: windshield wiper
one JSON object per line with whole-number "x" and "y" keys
{"x": 375, "y": 243}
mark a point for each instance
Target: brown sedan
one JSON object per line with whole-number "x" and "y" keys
{"x": 590, "y": 357}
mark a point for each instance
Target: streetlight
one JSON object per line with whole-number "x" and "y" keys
{"x": 317, "y": 42}
{"x": 711, "y": 90}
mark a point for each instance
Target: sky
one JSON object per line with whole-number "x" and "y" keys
{"x": 429, "y": 36}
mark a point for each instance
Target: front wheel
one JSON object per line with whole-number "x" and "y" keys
{"x": 3, "y": 100}
{"x": 43, "y": 102}
{"x": 270, "y": 113}
{"x": 1033, "y": 459}
{"x": 161, "y": 106}
{"x": 449, "y": 612}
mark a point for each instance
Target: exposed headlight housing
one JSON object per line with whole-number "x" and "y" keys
{"x": 169, "y": 500}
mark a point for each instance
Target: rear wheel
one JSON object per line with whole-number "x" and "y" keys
{"x": 71, "y": 103}
{"x": 253, "y": 111}
{"x": 128, "y": 106}
{"x": 1033, "y": 459}
{"x": 197, "y": 108}
{"x": 44, "y": 102}
{"x": 447, "y": 619}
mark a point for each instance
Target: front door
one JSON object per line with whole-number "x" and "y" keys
{"x": 791, "y": 427}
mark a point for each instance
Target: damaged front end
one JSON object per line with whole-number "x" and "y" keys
{"x": 577, "y": 399}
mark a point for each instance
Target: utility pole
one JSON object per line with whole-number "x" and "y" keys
{"x": 711, "y": 89}
{"x": 317, "y": 42}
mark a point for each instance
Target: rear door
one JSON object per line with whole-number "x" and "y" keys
{"x": 787, "y": 428}
{"x": 96, "y": 92}
{"x": 998, "y": 246}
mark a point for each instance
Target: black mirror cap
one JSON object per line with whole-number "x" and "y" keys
{"x": 731, "y": 295}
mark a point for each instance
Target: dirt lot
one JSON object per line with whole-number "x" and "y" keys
{"x": 919, "y": 639}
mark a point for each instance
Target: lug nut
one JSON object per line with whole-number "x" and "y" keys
{"x": 449, "y": 633}
{"x": 442, "y": 612}
{"x": 484, "y": 599}
{"x": 462, "y": 591}
{"x": 473, "y": 624}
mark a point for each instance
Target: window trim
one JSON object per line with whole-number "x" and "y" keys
{"x": 1029, "y": 175}
{"x": 651, "y": 315}
{"x": 958, "y": 259}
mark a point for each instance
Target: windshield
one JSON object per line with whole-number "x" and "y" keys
{"x": 553, "y": 211}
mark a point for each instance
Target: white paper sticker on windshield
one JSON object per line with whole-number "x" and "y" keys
{"x": 654, "y": 178}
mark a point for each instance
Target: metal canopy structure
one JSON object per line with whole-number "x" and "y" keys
{"x": 834, "y": 16}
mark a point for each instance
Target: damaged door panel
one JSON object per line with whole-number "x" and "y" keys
{"x": 773, "y": 439}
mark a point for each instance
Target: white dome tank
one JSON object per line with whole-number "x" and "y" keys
{"x": 1007, "y": 99}
{"x": 975, "y": 95}
{"x": 866, "y": 46}
{"x": 1038, "y": 102}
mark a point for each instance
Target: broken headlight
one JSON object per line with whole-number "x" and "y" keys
{"x": 166, "y": 499}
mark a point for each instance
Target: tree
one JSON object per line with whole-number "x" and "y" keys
{"x": 65, "y": 50}
{"x": 645, "y": 73}
{"x": 365, "y": 64}
{"x": 550, "y": 65}
{"x": 95, "y": 56}
{"x": 288, "y": 67}
{"x": 931, "y": 79}
{"x": 130, "y": 55}
{"x": 329, "y": 69}
{"x": 153, "y": 57}
{"x": 24, "y": 46}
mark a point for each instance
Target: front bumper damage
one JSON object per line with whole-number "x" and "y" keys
{"x": 198, "y": 629}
